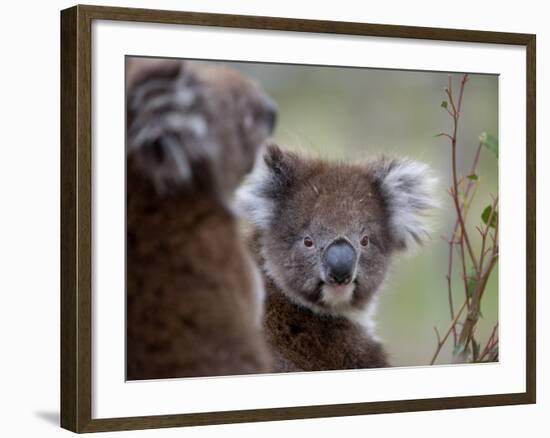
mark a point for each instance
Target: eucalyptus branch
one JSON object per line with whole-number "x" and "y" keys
{"x": 441, "y": 341}
{"x": 476, "y": 267}
{"x": 456, "y": 117}
{"x": 492, "y": 343}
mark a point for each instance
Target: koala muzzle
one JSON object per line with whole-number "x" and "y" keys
{"x": 339, "y": 261}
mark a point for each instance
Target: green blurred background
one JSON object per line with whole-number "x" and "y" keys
{"x": 353, "y": 113}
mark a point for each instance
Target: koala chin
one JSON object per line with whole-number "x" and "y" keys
{"x": 194, "y": 295}
{"x": 324, "y": 235}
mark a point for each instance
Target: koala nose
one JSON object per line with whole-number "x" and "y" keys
{"x": 271, "y": 111}
{"x": 339, "y": 261}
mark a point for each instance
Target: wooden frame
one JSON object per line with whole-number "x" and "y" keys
{"x": 76, "y": 165}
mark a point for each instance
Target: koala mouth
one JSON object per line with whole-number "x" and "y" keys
{"x": 335, "y": 295}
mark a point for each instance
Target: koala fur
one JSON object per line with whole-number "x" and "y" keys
{"x": 194, "y": 295}
{"x": 324, "y": 235}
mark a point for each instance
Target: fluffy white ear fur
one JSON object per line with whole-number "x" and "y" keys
{"x": 408, "y": 189}
{"x": 251, "y": 200}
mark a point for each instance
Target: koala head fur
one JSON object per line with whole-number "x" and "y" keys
{"x": 194, "y": 125}
{"x": 327, "y": 230}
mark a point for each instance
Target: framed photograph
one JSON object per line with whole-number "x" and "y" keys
{"x": 268, "y": 218}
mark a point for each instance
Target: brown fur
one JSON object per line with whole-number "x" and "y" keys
{"x": 193, "y": 308}
{"x": 302, "y": 340}
{"x": 184, "y": 317}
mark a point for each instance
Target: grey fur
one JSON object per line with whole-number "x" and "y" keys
{"x": 289, "y": 198}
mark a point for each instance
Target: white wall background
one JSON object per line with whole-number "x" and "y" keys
{"x": 29, "y": 230}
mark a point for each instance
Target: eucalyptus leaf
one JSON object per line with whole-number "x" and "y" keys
{"x": 490, "y": 142}
{"x": 487, "y": 214}
{"x": 458, "y": 349}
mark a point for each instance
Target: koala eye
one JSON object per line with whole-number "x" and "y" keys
{"x": 365, "y": 240}
{"x": 308, "y": 242}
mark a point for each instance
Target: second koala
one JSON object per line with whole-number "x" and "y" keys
{"x": 325, "y": 233}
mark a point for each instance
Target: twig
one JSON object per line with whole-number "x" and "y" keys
{"x": 447, "y": 333}
{"x": 456, "y": 117}
{"x": 480, "y": 268}
{"x": 449, "y": 288}
{"x": 437, "y": 334}
{"x": 491, "y": 343}
{"x": 473, "y": 313}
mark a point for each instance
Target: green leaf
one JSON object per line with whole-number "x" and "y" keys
{"x": 444, "y": 104}
{"x": 473, "y": 177}
{"x": 490, "y": 142}
{"x": 487, "y": 214}
{"x": 459, "y": 349}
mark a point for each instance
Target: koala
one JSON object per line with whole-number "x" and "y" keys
{"x": 324, "y": 236}
{"x": 194, "y": 296}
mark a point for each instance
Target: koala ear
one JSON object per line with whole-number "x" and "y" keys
{"x": 166, "y": 132}
{"x": 269, "y": 182}
{"x": 407, "y": 189}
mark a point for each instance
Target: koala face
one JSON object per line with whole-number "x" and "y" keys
{"x": 194, "y": 125}
{"x": 328, "y": 230}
